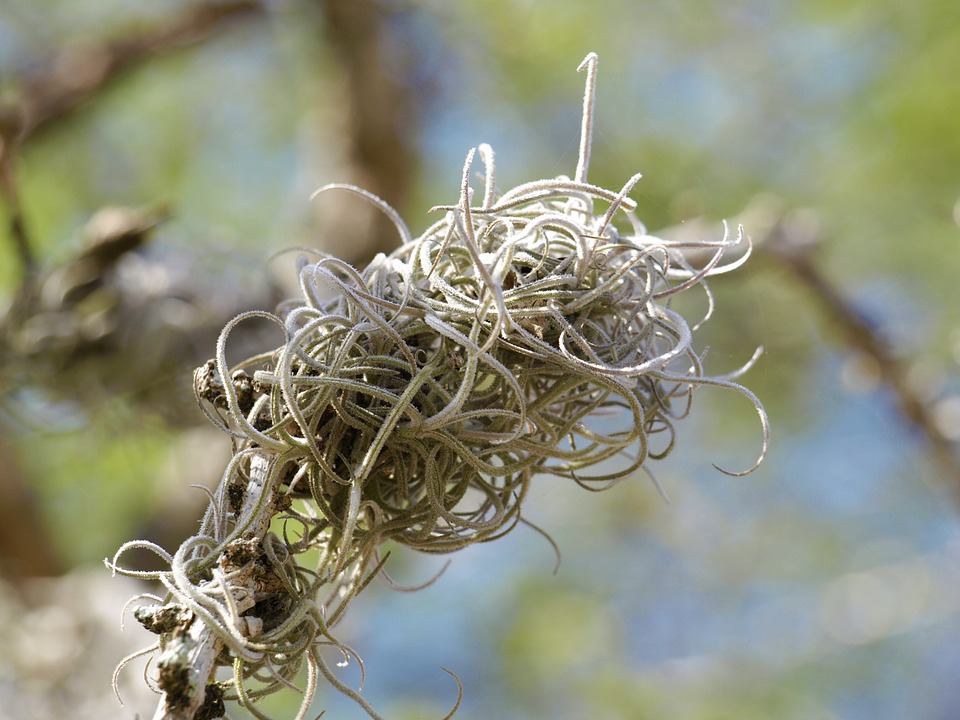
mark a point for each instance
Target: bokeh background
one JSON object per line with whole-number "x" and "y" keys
{"x": 156, "y": 162}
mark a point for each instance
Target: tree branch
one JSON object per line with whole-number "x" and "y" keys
{"x": 859, "y": 333}
{"x": 25, "y": 546}
{"x": 74, "y": 76}
{"x": 378, "y": 129}
{"x": 10, "y": 129}
{"x": 77, "y": 73}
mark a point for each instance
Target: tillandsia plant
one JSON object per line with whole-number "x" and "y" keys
{"x": 413, "y": 402}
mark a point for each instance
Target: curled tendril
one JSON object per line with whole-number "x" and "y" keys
{"x": 413, "y": 402}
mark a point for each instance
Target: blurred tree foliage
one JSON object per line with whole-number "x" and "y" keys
{"x": 822, "y": 586}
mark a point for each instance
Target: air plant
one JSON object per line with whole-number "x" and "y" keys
{"x": 413, "y": 402}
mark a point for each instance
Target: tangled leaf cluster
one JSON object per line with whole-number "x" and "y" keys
{"x": 523, "y": 333}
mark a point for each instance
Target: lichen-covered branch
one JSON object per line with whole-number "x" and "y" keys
{"x": 189, "y": 641}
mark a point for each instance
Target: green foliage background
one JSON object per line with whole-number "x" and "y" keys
{"x": 822, "y": 586}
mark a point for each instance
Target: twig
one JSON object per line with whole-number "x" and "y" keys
{"x": 76, "y": 74}
{"x": 10, "y": 130}
{"x": 859, "y": 333}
